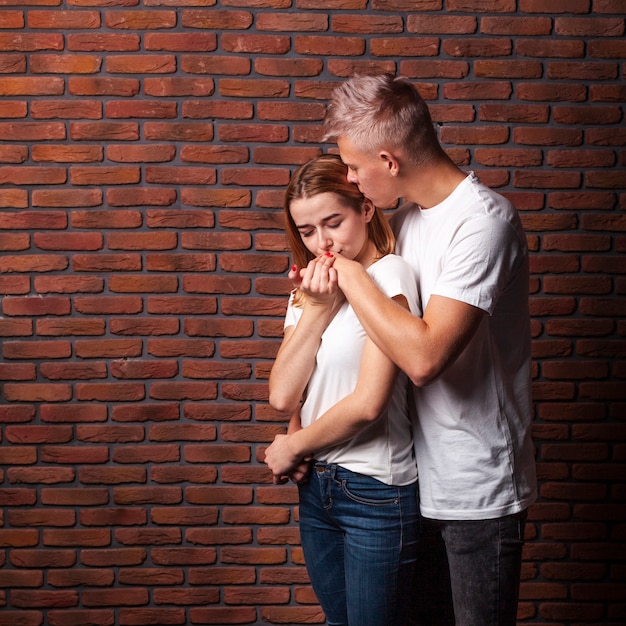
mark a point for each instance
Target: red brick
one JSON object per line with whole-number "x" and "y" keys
{"x": 141, "y": 196}
{"x": 94, "y": 42}
{"x": 178, "y": 86}
{"x": 289, "y": 111}
{"x": 143, "y": 110}
{"x": 201, "y": 596}
{"x": 68, "y": 241}
{"x": 348, "y": 66}
{"x": 105, "y": 262}
{"x": 588, "y": 27}
{"x": 104, "y": 175}
{"x": 474, "y": 135}
{"x": 101, "y": 617}
{"x": 255, "y": 44}
{"x": 183, "y": 391}
{"x": 189, "y": 474}
{"x": 101, "y": 305}
{"x": 221, "y": 370}
{"x": 223, "y": 616}
{"x": 177, "y": 131}
{"x": 67, "y": 198}
{"x": 223, "y": 109}
{"x": 213, "y": 65}
{"x": 82, "y": 86}
{"x": 433, "y": 68}
{"x": 128, "y": 597}
{"x": 180, "y": 347}
{"x": 398, "y": 46}
{"x": 502, "y": 157}
{"x": 77, "y": 413}
{"x": 215, "y": 19}
{"x": 181, "y": 42}
{"x": 143, "y": 284}
{"x": 581, "y": 71}
{"x": 484, "y": 47}
{"x": 551, "y": 93}
{"x": 291, "y": 22}
{"x": 607, "y": 49}
{"x": 140, "y": 154}
{"x": 14, "y": 241}
{"x": 13, "y": 154}
{"x": 181, "y": 176}
{"x": 64, "y": 64}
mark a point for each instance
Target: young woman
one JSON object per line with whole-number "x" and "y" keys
{"x": 358, "y": 503}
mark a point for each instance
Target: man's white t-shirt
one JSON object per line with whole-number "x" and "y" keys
{"x": 384, "y": 449}
{"x": 472, "y": 434}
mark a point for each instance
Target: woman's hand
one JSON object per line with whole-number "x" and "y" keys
{"x": 300, "y": 474}
{"x": 318, "y": 280}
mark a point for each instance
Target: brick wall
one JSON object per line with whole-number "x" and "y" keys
{"x": 144, "y": 149}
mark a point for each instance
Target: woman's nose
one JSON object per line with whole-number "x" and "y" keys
{"x": 326, "y": 243}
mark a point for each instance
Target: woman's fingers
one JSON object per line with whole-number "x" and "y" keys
{"x": 318, "y": 279}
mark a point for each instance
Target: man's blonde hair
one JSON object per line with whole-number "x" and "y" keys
{"x": 382, "y": 112}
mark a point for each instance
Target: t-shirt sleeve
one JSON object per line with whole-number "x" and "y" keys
{"x": 394, "y": 276}
{"x": 292, "y": 316}
{"x": 478, "y": 264}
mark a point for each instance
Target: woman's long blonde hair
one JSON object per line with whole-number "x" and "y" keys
{"x": 328, "y": 174}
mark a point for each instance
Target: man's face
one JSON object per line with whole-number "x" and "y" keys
{"x": 371, "y": 173}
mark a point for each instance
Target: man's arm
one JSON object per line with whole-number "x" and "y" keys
{"x": 422, "y": 347}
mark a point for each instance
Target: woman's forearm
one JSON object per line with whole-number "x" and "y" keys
{"x": 295, "y": 361}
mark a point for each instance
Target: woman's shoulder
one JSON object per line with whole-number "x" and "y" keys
{"x": 394, "y": 276}
{"x": 390, "y": 263}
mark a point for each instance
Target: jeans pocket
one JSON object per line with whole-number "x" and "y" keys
{"x": 369, "y": 492}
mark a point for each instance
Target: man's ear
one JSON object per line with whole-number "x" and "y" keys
{"x": 391, "y": 162}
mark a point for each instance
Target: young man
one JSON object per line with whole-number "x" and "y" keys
{"x": 468, "y": 356}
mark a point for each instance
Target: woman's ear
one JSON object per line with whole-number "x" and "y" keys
{"x": 368, "y": 209}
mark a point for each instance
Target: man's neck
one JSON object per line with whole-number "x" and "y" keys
{"x": 429, "y": 185}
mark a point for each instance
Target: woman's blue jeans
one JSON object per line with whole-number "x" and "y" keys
{"x": 359, "y": 538}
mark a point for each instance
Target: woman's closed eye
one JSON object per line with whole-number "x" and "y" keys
{"x": 308, "y": 232}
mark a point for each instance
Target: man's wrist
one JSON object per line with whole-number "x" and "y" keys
{"x": 297, "y": 442}
{"x": 346, "y": 273}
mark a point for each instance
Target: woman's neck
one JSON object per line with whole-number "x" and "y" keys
{"x": 368, "y": 255}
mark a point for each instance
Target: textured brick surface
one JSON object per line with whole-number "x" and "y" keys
{"x": 144, "y": 149}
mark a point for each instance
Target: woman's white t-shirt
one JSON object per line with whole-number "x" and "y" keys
{"x": 384, "y": 449}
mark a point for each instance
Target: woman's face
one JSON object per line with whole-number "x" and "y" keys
{"x": 326, "y": 224}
